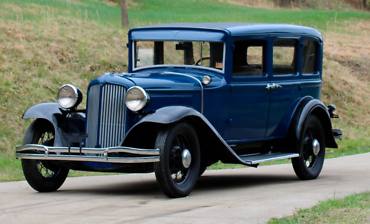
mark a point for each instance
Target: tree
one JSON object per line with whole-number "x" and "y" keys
{"x": 300, "y": 4}
{"x": 365, "y": 4}
{"x": 124, "y": 13}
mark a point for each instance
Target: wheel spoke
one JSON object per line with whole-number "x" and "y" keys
{"x": 306, "y": 149}
{"x": 46, "y": 138}
{"x": 178, "y": 141}
{"x": 178, "y": 172}
{"x": 311, "y": 134}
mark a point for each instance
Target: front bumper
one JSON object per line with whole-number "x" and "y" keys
{"x": 107, "y": 155}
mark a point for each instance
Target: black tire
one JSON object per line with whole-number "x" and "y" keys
{"x": 173, "y": 178}
{"x": 202, "y": 169}
{"x": 308, "y": 165}
{"x": 42, "y": 175}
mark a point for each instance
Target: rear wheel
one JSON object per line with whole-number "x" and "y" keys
{"x": 179, "y": 164}
{"x": 41, "y": 175}
{"x": 311, "y": 150}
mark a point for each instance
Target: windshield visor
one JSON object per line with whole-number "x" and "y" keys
{"x": 179, "y": 53}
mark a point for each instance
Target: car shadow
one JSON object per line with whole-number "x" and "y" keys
{"x": 219, "y": 182}
{"x": 222, "y": 182}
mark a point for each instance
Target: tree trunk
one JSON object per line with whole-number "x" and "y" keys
{"x": 124, "y": 13}
{"x": 365, "y": 4}
{"x": 300, "y": 4}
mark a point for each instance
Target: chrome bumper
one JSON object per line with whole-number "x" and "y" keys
{"x": 41, "y": 152}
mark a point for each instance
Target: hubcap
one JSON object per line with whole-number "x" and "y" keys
{"x": 315, "y": 147}
{"x": 186, "y": 158}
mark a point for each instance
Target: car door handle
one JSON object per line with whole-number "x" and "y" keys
{"x": 277, "y": 86}
{"x": 273, "y": 86}
{"x": 269, "y": 86}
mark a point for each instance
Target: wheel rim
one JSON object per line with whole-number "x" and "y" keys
{"x": 46, "y": 138}
{"x": 46, "y": 172}
{"x": 179, "y": 172}
{"x": 310, "y": 151}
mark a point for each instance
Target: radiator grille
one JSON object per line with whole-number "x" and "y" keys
{"x": 92, "y": 116}
{"x": 109, "y": 130}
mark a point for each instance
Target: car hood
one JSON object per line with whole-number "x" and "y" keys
{"x": 167, "y": 80}
{"x": 164, "y": 81}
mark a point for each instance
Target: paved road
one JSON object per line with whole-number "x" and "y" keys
{"x": 221, "y": 196}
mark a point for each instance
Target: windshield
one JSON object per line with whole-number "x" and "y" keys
{"x": 182, "y": 53}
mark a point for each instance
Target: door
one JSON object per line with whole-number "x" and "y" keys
{"x": 248, "y": 104}
{"x": 285, "y": 85}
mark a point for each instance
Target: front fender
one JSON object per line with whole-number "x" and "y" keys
{"x": 51, "y": 112}
{"x": 209, "y": 139}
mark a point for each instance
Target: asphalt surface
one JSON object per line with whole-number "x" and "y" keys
{"x": 221, "y": 196}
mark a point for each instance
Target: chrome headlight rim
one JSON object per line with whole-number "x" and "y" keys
{"x": 76, "y": 96}
{"x": 145, "y": 100}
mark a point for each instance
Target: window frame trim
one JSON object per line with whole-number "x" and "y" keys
{"x": 298, "y": 60}
{"x": 133, "y": 44}
{"x": 265, "y": 76}
{"x": 318, "y": 50}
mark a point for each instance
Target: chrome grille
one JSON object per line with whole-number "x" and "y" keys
{"x": 111, "y": 126}
{"x": 92, "y": 116}
{"x": 112, "y": 116}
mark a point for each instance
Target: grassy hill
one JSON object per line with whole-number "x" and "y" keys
{"x": 44, "y": 44}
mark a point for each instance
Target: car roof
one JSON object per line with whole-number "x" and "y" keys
{"x": 239, "y": 29}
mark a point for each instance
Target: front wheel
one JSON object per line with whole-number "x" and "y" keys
{"x": 41, "y": 175}
{"x": 311, "y": 150}
{"x": 178, "y": 169}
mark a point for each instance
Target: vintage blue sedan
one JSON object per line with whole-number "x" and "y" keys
{"x": 194, "y": 94}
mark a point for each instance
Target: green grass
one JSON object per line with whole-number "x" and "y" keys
{"x": 168, "y": 11}
{"x": 36, "y": 10}
{"x": 11, "y": 168}
{"x": 210, "y": 11}
{"x": 351, "y": 209}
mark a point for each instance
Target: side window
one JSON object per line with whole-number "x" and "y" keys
{"x": 284, "y": 57}
{"x": 309, "y": 57}
{"x": 144, "y": 54}
{"x": 248, "y": 58}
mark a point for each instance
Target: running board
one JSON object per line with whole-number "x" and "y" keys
{"x": 261, "y": 158}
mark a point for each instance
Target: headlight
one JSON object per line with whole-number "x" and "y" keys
{"x": 69, "y": 96}
{"x": 136, "y": 98}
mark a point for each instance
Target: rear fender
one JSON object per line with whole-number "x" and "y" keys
{"x": 317, "y": 108}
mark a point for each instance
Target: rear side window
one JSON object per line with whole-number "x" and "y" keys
{"x": 309, "y": 57}
{"x": 248, "y": 58}
{"x": 284, "y": 57}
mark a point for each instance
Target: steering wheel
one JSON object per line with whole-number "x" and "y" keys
{"x": 205, "y": 58}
